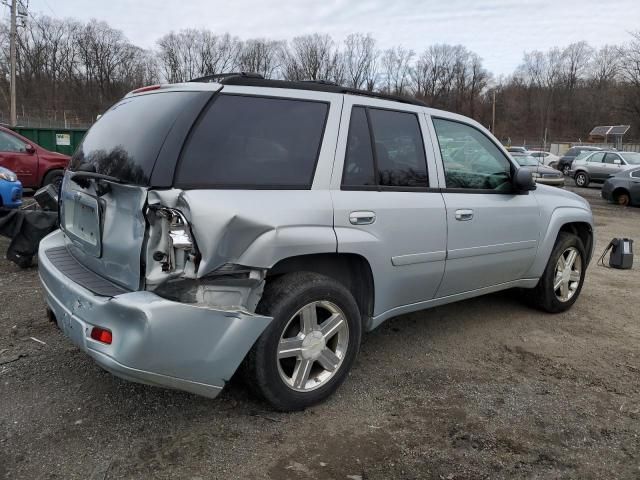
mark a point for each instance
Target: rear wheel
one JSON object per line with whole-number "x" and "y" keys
{"x": 309, "y": 347}
{"x": 622, "y": 198}
{"x": 562, "y": 280}
{"x": 566, "y": 169}
{"x": 582, "y": 179}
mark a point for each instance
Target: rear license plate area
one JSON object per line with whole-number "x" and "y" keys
{"x": 81, "y": 221}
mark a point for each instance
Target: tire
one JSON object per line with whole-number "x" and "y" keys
{"x": 544, "y": 296}
{"x": 566, "y": 169}
{"x": 280, "y": 381}
{"x": 622, "y": 198}
{"x": 582, "y": 179}
{"x": 54, "y": 177}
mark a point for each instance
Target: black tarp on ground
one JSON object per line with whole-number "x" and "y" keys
{"x": 25, "y": 228}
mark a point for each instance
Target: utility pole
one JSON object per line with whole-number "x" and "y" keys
{"x": 12, "y": 59}
{"x": 18, "y": 11}
{"x": 493, "y": 113}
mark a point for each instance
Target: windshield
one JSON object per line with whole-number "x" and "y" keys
{"x": 632, "y": 158}
{"x": 526, "y": 160}
{"x": 125, "y": 142}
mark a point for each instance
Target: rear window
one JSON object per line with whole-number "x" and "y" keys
{"x": 125, "y": 142}
{"x": 254, "y": 142}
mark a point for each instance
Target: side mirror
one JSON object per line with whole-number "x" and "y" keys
{"x": 29, "y": 148}
{"x": 523, "y": 180}
{"x": 617, "y": 161}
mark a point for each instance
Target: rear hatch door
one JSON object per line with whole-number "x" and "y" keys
{"x": 134, "y": 146}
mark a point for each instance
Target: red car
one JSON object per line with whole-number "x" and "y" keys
{"x": 34, "y": 165}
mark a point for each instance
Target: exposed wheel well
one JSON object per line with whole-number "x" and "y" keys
{"x": 583, "y": 231}
{"x": 352, "y": 270}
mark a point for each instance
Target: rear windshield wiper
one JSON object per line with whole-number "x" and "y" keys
{"x": 82, "y": 178}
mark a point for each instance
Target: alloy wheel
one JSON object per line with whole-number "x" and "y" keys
{"x": 568, "y": 273}
{"x": 581, "y": 179}
{"x": 312, "y": 346}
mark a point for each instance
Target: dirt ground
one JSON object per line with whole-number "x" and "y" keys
{"x": 486, "y": 388}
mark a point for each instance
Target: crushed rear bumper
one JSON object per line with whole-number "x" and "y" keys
{"x": 155, "y": 341}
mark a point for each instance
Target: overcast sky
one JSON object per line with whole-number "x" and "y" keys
{"x": 498, "y": 30}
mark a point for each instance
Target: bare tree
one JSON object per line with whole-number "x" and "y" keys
{"x": 312, "y": 57}
{"x": 396, "y": 70}
{"x": 261, "y": 56}
{"x": 360, "y": 61}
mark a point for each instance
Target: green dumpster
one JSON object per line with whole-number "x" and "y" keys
{"x": 63, "y": 140}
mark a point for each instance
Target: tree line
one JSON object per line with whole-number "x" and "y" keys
{"x": 72, "y": 71}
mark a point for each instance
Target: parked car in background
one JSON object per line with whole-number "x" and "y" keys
{"x": 623, "y": 188}
{"x": 599, "y": 166}
{"x": 564, "y": 164}
{"x": 517, "y": 149}
{"x": 541, "y": 173}
{"x": 10, "y": 189}
{"x": 546, "y": 158}
{"x": 35, "y": 166}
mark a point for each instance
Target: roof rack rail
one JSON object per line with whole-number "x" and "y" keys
{"x": 255, "y": 80}
{"x": 217, "y": 77}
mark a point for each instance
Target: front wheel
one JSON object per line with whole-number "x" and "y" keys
{"x": 566, "y": 169}
{"x": 308, "y": 349}
{"x": 562, "y": 280}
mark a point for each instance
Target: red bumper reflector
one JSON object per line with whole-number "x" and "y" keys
{"x": 101, "y": 335}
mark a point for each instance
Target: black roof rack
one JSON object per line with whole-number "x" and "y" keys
{"x": 257, "y": 80}
{"x": 220, "y": 77}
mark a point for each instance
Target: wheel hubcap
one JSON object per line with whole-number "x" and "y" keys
{"x": 580, "y": 180}
{"x": 312, "y": 346}
{"x": 567, "y": 274}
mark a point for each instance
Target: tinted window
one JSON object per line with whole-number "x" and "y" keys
{"x": 9, "y": 143}
{"x": 126, "y": 140}
{"x": 393, "y": 157}
{"x": 358, "y": 160}
{"x": 399, "y": 149}
{"x": 245, "y": 141}
{"x": 611, "y": 158}
{"x": 471, "y": 160}
{"x": 596, "y": 158}
{"x": 572, "y": 152}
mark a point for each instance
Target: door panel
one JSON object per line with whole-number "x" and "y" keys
{"x": 492, "y": 233}
{"x": 596, "y": 166}
{"x": 389, "y": 211}
{"x": 13, "y": 155}
{"x": 496, "y": 246}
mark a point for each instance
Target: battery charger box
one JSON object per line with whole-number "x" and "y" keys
{"x": 621, "y": 253}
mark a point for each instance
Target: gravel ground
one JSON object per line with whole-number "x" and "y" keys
{"x": 485, "y": 388}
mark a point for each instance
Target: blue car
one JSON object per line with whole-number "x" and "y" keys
{"x": 10, "y": 189}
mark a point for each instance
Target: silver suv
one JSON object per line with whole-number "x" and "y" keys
{"x": 263, "y": 226}
{"x": 599, "y": 166}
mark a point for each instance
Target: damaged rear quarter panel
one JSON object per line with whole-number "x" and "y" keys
{"x": 254, "y": 228}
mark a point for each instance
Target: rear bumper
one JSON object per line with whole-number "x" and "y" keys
{"x": 155, "y": 341}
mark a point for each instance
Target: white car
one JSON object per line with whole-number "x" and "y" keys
{"x": 546, "y": 158}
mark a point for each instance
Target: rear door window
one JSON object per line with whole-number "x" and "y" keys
{"x": 385, "y": 150}
{"x": 254, "y": 142}
{"x": 596, "y": 158}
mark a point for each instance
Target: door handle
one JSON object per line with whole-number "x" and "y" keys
{"x": 362, "y": 218}
{"x": 464, "y": 215}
